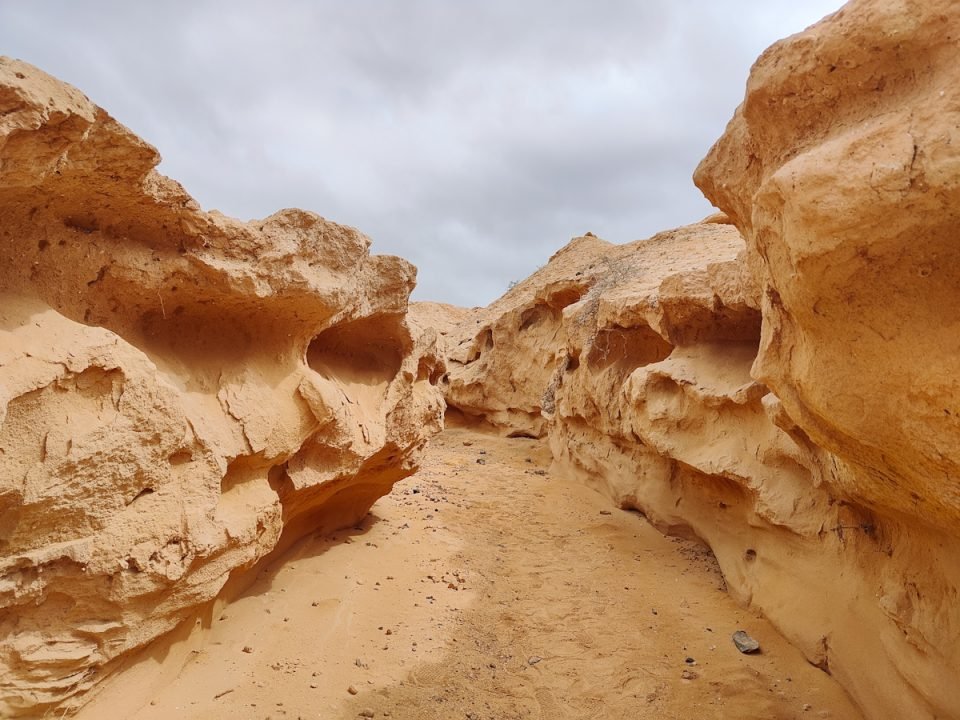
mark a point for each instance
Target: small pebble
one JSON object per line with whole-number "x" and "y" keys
{"x": 744, "y": 642}
{"x": 352, "y": 690}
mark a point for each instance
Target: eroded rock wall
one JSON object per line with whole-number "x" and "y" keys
{"x": 842, "y": 171}
{"x": 645, "y": 384}
{"x": 504, "y": 390}
{"x": 178, "y": 389}
{"x": 789, "y": 397}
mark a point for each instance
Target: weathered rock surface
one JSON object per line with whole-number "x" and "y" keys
{"x": 790, "y": 399}
{"x": 643, "y": 384}
{"x": 177, "y": 390}
{"x": 441, "y": 319}
{"x": 842, "y": 171}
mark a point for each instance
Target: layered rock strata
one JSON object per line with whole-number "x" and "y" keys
{"x": 178, "y": 389}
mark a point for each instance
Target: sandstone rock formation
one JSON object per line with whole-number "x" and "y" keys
{"x": 177, "y": 390}
{"x": 791, "y": 399}
{"x": 440, "y": 319}
{"x": 537, "y": 341}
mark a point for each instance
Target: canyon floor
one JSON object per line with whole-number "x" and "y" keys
{"x": 482, "y": 588}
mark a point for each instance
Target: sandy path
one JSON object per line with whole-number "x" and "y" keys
{"x": 480, "y": 591}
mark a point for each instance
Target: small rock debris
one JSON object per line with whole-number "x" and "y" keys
{"x": 745, "y": 643}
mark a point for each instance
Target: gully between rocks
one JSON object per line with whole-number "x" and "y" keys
{"x": 482, "y": 588}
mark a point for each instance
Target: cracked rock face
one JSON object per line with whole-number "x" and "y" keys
{"x": 178, "y": 390}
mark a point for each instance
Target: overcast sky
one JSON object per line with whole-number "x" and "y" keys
{"x": 472, "y": 138}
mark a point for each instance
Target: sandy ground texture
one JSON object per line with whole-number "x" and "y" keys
{"x": 483, "y": 588}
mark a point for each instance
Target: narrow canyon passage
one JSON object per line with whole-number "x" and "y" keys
{"x": 483, "y": 588}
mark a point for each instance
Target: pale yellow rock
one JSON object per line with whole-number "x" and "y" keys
{"x": 841, "y": 168}
{"x": 815, "y": 444}
{"x": 643, "y": 380}
{"x": 177, "y": 390}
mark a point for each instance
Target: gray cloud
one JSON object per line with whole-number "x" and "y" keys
{"x": 472, "y": 138}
